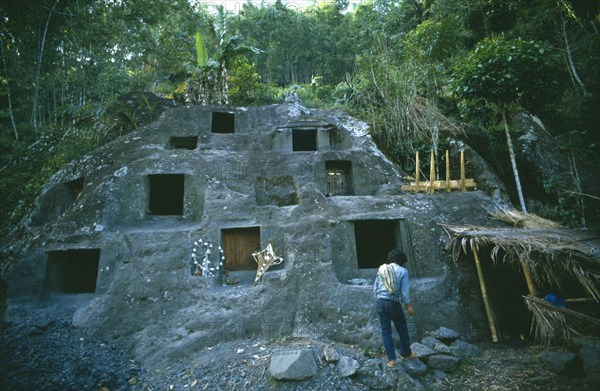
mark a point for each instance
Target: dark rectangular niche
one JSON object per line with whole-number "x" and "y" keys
{"x": 72, "y": 271}
{"x": 304, "y": 139}
{"x": 238, "y": 246}
{"x": 190, "y": 142}
{"x": 166, "y": 194}
{"x": 57, "y": 200}
{"x": 223, "y": 122}
{"x": 374, "y": 239}
{"x": 75, "y": 187}
{"x": 338, "y": 177}
{"x": 279, "y": 191}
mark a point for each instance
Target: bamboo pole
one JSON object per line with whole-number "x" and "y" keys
{"x": 462, "y": 171}
{"x": 432, "y": 173}
{"x": 528, "y": 279}
{"x": 417, "y": 169}
{"x": 447, "y": 171}
{"x": 488, "y": 308}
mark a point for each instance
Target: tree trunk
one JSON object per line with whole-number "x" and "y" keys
{"x": 572, "y": 68}
{"x": 38, "y": 69}
{"x": 10, "y": 110}
{"x": 513, "y": 161}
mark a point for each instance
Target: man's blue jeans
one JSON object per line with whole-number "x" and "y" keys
{"x": 391, "y": 311}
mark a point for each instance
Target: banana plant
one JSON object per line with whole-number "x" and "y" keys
{"x": 212, "y": 82}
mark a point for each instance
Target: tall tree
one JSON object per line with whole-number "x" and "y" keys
{"x": 503, "y": 73}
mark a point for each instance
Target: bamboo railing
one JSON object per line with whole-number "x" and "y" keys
{"x": 432, "y": 185}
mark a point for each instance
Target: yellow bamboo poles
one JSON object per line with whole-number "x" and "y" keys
{"x": 528, "y": 279}
{"x": 432, "y": 174}
{"x": 431, "y": 185}
{"x": 486, "y": 303}
{"x": 463, "y": 187}
{"x": 447, "y": 171}
{"x": 417, "y": 169}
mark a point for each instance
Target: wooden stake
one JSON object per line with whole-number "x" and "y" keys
{"x": 462, "y": 171}
{"x": 447, "y": 171}
{"x": 488, "y": 308}
{"x": 432, "y": 173}
{"x": 528, "y": 279}
{"x": 417, "y": 169}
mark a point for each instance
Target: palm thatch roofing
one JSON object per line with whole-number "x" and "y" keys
{"x": 550, "y": 254}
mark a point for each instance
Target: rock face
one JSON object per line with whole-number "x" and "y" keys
{"x": 297, "y": 364}
{"x": 115, "y": 230}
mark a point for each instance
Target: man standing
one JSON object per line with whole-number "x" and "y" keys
{"x": 391, "y": 289}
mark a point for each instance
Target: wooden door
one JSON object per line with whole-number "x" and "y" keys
{"x": 238, "y": 246}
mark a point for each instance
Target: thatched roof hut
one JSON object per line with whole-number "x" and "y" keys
{"x": 554, "y": 261}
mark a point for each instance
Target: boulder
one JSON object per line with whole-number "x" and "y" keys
{"x": 347, "y": 366}
{"x": 590, "y": 359}
{"x": 373, "y": 375}
{"x": 462, "y": 349}
{"x": 559, "y": 362}
{"x": 551, "y": 169}
{"x": 297, "y": 364}
{"x": 407, "y": 383}
{"x": 443, "y": 362}
{"x": 430, "y": 341}
{"x": 421, "y": 350}
{"x": 443, "y": 348}
{"x": 331, "y": 355}
{"x": 415, "y": 368}
{"x": 445, "y": 334}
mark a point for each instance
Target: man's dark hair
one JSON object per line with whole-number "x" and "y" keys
{"x": 397, "y": 256}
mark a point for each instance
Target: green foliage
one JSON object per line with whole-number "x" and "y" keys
{"x": 505, "y": 71}
{"x": 246, "y": 88}
{"x": 407, "y": 67}
{"x": 201, "y": 52}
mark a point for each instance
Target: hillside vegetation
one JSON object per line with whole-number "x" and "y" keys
{"x": 418, "y": 71}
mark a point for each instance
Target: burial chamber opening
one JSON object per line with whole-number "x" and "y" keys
{"x": 72, "y": 271}
{"x": 166, "y": 194}
{"x": 304, "y": 140}
{"x": 223, "y": 122}
{"x": 374, "y": 240}
{"x": 183, "y": 142}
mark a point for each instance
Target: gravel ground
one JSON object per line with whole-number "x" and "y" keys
{"x": 48, "y": 353}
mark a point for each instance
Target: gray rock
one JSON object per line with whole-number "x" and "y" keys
{"x": 407, "y": 383}
{"x": 559, "y": 362}
{"x": 415, "y": 368}
{"x": 298, "y": 364}
{"x": 590, "y": 359}
{"x": 443, "y": 348}
{"x": 589, "y": 355}
{"x": 430, "y": 341}
{"x": 347, "y": 366}
{"x": 443, "y": 362}
{"x": 445, "y": 334}
{"x": 421, "y": 350}
{"x": 376, "y": 376}
{"x": 331, "y": 355}
{"x": 462, "y": 349}
{"x": 237, "y": 185}
{"x": 437, "y": 374}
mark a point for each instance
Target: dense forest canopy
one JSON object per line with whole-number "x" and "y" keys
{"x": 416, "y": 70}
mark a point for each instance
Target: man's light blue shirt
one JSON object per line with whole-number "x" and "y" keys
{"x": 401, "y": 292}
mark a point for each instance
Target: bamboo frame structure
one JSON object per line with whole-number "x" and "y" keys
{"x": 547, "y": 256}
{"x": 488, "y": 308}
{"x": 432, "y": 185}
